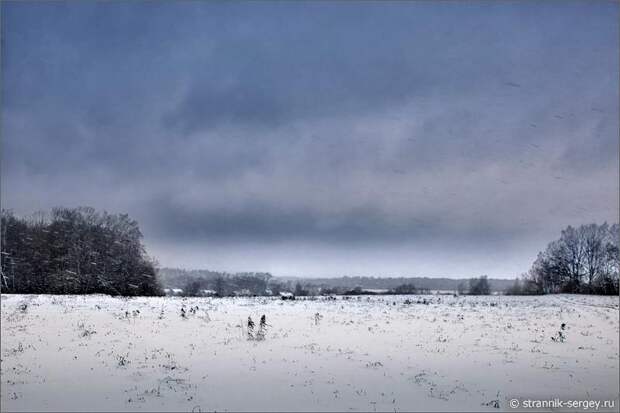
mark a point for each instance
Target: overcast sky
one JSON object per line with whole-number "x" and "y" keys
{"x": 406, "y": 138}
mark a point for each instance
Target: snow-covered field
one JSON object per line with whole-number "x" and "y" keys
{"x": 97, "y": 353}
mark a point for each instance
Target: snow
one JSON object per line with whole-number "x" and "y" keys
{"x": 375, "y": 290}
{"x": 383, "y": 353}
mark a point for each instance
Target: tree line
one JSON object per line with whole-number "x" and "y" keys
{"x": 74, "y": 251}
{"x": 225, "y": 285}
{"x": 82, "y": 251}
{"x": 194, "y": 282}
{"x": 584, "y": 260}
{"x": 346, "y": 283}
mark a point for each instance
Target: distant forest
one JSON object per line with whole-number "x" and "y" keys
{"x": 82, "y": 251}
{"x": 192, "y": 282}
{"x": 421, "y": 283}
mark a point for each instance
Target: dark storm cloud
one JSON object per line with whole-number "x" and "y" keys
{"x": 274, "y": 224}
{"x": 328, "y": 123}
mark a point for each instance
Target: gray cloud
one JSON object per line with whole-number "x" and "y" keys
{"x": 342, "y": 128}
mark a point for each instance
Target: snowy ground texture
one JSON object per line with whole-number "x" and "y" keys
{"x": 97, "y": 353}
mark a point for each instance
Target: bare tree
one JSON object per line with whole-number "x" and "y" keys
{"x": 583, "y": 259}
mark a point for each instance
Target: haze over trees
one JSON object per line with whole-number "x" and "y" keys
{"x": 81, "y": 251}
{"x": 479, "y": 286}
{"x": 75, "y": 251}
{"x": 192, "y": 282}
{"x": 392, "y": 283}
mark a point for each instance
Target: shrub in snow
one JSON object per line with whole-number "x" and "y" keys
{"x": 262, "y": 329}
{"x": 317, "y": 318}
{"x": 250, "y": 329}
{"x": 123, "y": 360}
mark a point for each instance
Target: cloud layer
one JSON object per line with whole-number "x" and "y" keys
{"x": 410, "y": 138}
